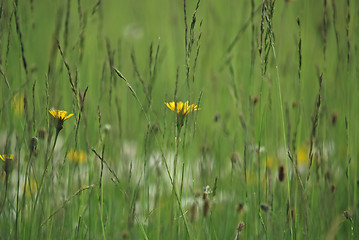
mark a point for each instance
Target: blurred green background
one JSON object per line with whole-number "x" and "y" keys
{"x": 253, "y": 67}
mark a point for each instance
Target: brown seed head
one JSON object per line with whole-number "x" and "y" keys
{"x": 334, "y": 117}
{"x": 333, "y": 187}
{"x": 327, "y": 176}
{"x": 347, "y": 215}
{"x": 241, "y": 226}
{"x": 239, "y": 208}
{"x": 33, "y": 144}
{"x": 125, "y": 234}
{"x": 206, "y": 207}
{"x": 281, "y": 173}
{"x": 193, "y": 212}
{"x": 255, "y": 100}
{"x": 205, "y": 196}
{"x": 265, "y": 207}
{"x": 217, "y": 117}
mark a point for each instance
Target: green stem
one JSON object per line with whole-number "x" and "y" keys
{"x": 42, "y": 180}
{"x": 175, "y": 160}
{"x": 101, "y": 210}
{"x": 284, "y": 132}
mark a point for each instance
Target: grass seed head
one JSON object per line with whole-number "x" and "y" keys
{"x": 240, "y": 208}
{"x": 33, "y": 144}
{"x": 265, "y": 207}
{"x": 255, "y": 100}
{"x": 333, "y": 187}
{"x": 334, "y": 117}
{"x": 193, "y": 212}
{"x": 347, "y": 215}
{"x": 217, "y": 117}
{"x": 206, "y": 207}
{"x": 125, "y": 234}
{"x": 241, "y": 226}
{"x": 281, "y": 173}
{"x": 327, "y": 176}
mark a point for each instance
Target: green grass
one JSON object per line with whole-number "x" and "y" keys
{"x": 254, "y": 70}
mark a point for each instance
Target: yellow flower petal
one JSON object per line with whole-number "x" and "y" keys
{"x": 182, "y": 108}
{"x": 171, "y": 105}
{"x": 4, "y": 157}
{"x": 68, "y": 116}
{"x": 179, "y": 107}
{"x": 60, "y": 114}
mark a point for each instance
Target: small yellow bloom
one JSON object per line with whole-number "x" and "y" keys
{"x": 18, "y": 103}
{"x": 7, "y": 166}
{"x": 61, "y": 116}
{"x": 181, "y": 108}
{"x": 77, "y": 156}
{"x": 5, "y": 157}
{"x": 303, "y": 155}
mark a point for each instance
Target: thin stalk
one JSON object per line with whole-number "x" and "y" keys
{"x": 25, "y": 184}
{"x": 175, "y": 160}
{"x": 283, "y": 128}
{"x": 162, "y": 154}
{"x": 42, "y": 180}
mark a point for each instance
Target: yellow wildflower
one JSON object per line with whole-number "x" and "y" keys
{"x": 61, "y": 116}
{"x": 18, "y": 103}
{"x": 303, "y": 155}
{"x": 7, "y": 167}
{"x": 77, "y": 156}
{"x": 181, "y": 108}
{"x": 5, "y": 157}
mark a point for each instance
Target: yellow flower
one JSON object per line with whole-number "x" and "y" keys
{"x": 5, "y": 157}
{"x": 7, "y": 166}
{"x": 18, "y": 104}
{"x": 77, "y": 156}
{"x": 303, "y": 155}
{"x": 61, "y": 116}
{"x": 181, "y": 108}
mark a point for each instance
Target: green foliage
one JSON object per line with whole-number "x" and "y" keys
{"x": 271, "y": 154}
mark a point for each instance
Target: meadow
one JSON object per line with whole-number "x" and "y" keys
{"x": 266, "y": 148}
